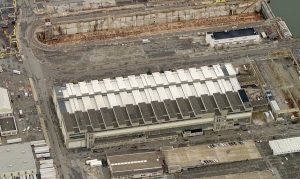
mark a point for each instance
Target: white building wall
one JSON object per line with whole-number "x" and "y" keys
{"x": 231, "y": 41}
{"x": 17, "y": 173}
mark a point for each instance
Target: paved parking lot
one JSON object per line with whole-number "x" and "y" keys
{"x": 225, "y": 169}
{"x": 288, "y": 166}
{"x": 211, "y": 154}
{"x": 249, "y": 175}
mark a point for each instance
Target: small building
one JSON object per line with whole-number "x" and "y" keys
{"x": 136, "y": 165}
{"x": 285, "y": 146}
{"x": 17, "y": 161}
{"x": 232, "y": 37}
{"x": 275, "y": 108}
{"x": 7, "y": 120}
{"x": 260, "y": 105}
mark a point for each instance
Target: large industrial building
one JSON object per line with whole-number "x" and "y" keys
{"x": 17, "y": 161}
{"x": 146, "y": 108}
{"x": 7, "y": 120}
{"x": 232, "y": 37}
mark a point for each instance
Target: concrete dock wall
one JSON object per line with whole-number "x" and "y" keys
{"x": 161, "y": 17}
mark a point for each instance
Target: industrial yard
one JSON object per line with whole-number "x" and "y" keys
{"x": 148, "y": 89}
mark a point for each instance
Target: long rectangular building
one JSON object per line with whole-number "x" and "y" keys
{"x": 7, "y": 120}
{"x": 232, "y": 37}
{"x": 144, "y": 108}
{"x": 135, "y": 165}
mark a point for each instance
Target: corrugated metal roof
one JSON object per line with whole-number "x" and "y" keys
{"x": 285, "y": 146}
{"x": 5, "y": 106}
{"x": 274, "y": 105}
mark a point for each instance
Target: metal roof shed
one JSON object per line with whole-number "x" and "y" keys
{"x": 285, "y": 146}
{"x": 274, "y": 106}
{"x": 5, "y": 106}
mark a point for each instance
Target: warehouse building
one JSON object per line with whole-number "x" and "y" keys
{"x": 285, "y": 146}
{"x": 7, "y": 120}
{"x": 232, "y": 37}
{"x": 146, "y": 108}
{"x": 136, "y": 165}
{"x": 17, "y": 161}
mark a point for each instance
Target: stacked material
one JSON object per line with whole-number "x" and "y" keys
{"x": 41, "y": 151}
{"x": 47, "y": 169}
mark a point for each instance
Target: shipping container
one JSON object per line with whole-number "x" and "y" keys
{"x": 263, "y": 35}
{"x": 47, "y": 169}
{"x": 21, "y": 113}
{"x": 42, "y": 155}
{"x": 11, "y": 141}
{"x": 50, "y": 176}
{"x": 46, "y": 175}
{"x": 89, "y": 161}
{"x": 39, "y": 150}
{"x": 96, "y": 163}
{"x": 46, "y": 161}
{"x": 44, "y": 147}
{"x": 40, "y": 145}
{"x": 42, "y": 172}
{"x": 36, "y": 142}
{"x": 46, "y": 166}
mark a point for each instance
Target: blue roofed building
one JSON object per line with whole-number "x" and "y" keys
{"x": 232, "y": 37}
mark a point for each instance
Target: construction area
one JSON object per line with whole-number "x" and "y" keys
{"x": 156, "y": 20}
{"x": 8, "y": 41}
{"x": 146, "y": 88}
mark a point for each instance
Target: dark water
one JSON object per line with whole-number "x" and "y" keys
{"x": 289, "y": 11}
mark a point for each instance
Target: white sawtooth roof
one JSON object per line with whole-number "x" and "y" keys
{"x": 144, "y": 88}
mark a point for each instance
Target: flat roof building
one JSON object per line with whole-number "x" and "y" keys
{"x": 139, "y": 108}
{"x": 183, "y": 158}
{"x": 7, "y": 120}
{"x": 136, "y": 165}
{"x": 232, "y": 37}
{"x": 16, "y": 161}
